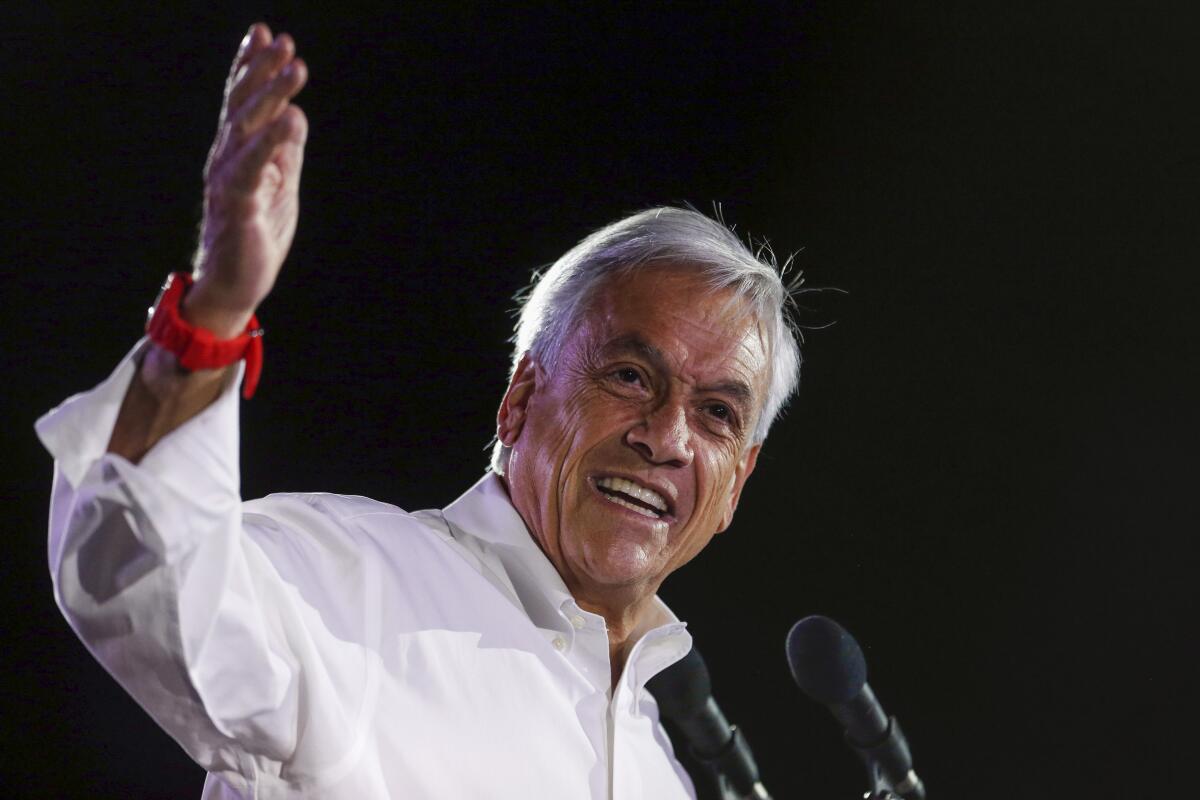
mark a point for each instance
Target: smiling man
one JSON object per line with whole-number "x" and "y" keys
{"x": 315, "y": 645}
{"x": 627, "y": 456}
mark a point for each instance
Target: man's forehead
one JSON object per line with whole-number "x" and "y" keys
{"x": 636, "y": 309}
{"x": 665, "y": 315}
{"x": 679, "y": 290}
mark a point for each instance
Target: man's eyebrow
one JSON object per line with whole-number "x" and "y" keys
{"x": 737, "y": 390}
{"x": 632, "y": 343}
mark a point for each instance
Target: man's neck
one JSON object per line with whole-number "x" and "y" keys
{"x": 627, "y": 610}
{"x": 626, "y": 623}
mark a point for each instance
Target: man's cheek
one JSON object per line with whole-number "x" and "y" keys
{"x": 707, "y": 515}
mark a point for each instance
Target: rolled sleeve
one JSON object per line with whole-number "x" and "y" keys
{"x": 150, "y": 568}
{"x": 197, "y": 463}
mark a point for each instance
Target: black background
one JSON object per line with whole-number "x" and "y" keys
{"x": 985, "y": 475}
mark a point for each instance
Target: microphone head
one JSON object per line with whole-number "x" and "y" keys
{"x": 826, "y": 662}
{"x": 682, "y": 689}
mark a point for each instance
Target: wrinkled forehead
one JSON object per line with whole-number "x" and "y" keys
{"x": 661, "y": 282}
{"x": 673, "y": 311}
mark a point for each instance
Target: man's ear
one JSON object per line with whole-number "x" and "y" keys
{"x": 511, "y": 416}
{"x": 741, "y": 473}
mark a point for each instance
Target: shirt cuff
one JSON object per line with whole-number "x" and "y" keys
{"x": 77, "y": 432}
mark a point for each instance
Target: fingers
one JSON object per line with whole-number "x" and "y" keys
{"x": 260, "y": 69}
{"x": 289, "y": 130}
{"x": 258, "y": 121}
{"x": 271, "y": 99}
{"x": 256, "y": 39}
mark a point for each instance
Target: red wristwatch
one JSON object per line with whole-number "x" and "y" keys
{"x": 198, "y": 348}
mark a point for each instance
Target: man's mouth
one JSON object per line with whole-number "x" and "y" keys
{"x": 646, "y": 502}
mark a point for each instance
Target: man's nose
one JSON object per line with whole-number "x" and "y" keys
{"x": 663, "y": 437}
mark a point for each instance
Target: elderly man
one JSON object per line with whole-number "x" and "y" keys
{"x": 335, "y": 647}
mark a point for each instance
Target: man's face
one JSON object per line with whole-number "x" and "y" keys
{"x": 630, "y": 452}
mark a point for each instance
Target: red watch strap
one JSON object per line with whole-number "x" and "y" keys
{"x": 198, "y": 348}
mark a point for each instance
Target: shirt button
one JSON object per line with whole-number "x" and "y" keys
{"x": 577, "y": 621}
{"x": 560, "y": 644}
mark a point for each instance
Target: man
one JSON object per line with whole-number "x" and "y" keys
{"x": 335, "y": 647}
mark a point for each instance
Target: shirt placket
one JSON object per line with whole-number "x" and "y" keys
{"x": 655, "y": 651}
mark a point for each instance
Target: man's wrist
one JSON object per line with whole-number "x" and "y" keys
{"x": 200, "y": 345}
{"x": 162, "y": 396}
{"x": 204, "y": 307}
{"x": 165, "y": 377}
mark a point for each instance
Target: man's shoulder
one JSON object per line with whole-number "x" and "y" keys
{"x": 340, "y": 507}
{"x": 343, "y": 529}
{"x": 323, "y": 522}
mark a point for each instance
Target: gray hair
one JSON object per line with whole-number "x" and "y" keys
{"x": 557, "y": 298}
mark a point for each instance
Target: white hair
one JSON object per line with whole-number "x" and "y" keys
{"x": 556, "y": 299}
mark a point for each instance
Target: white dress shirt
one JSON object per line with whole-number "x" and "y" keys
{"x": 318, "y": 645}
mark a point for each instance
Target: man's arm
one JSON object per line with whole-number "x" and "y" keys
{"x": 251, "y": 204}
{"x": 190, "y": 602}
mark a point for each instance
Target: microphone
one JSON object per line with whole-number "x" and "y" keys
{"x": 684, "y": 694}
{"x": 829, "y": 667}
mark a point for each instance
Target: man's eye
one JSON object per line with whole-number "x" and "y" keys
{"x": 721, "y": 412}
{"x": 628, "y": 375}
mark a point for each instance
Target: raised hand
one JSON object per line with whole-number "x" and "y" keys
{"x": 251, "y": 184}
{"x": 251, "y": 189}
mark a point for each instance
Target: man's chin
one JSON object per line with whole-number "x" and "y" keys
{"x": 624, "y": 567}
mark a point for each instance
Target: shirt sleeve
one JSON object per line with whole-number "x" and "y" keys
{"x": 191, "y": 603}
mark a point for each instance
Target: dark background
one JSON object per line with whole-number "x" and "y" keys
{"x": 985, "y": 475}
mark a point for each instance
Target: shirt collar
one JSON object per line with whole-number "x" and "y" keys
{"x": 485, "y": 512}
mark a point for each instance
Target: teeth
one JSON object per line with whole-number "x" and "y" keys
{"x": 645, "y": 512}
{"x": 632, "y": 489}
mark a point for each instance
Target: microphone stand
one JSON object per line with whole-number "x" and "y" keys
{"x": 733, "y": 770}
{"x": 885, "y": 786}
